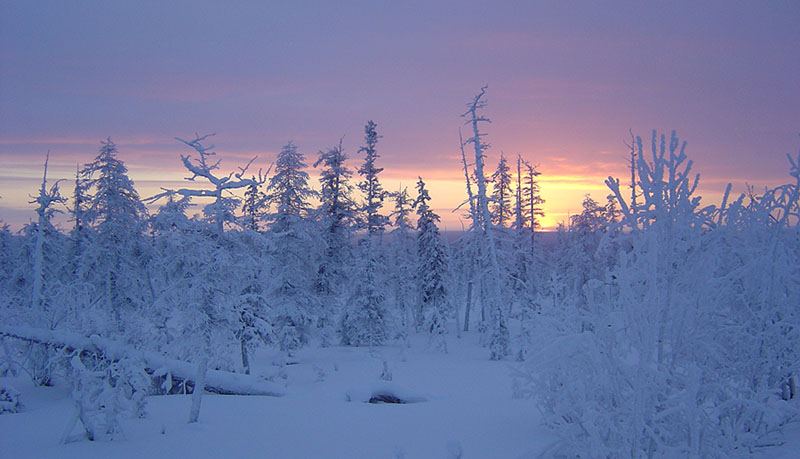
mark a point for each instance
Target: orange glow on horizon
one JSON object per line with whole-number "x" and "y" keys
{"x": 563, "y": 183}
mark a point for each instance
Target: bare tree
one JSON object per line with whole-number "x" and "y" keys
{"x": 492, "y": 277}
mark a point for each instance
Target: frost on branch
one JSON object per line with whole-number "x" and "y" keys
{"x": 204, "y": 165}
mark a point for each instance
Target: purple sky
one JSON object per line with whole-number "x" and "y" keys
{"x": 566, "y": 82}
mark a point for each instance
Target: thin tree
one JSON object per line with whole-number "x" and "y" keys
{"x": 370, "y": 185}
{"x": 253, "y": 205}
{"x": 493, "y": 276}
{"x": 46, "y": 200}
{"x": 532, "y": 209}
{"x": 403, "y": 252}
{"x": 501, "y": 193}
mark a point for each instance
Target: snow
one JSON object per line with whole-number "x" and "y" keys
{"x": 462, "y": 398}
{"x": 219, "y": 381}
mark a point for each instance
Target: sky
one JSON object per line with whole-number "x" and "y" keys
{"x": 567, "y": 82}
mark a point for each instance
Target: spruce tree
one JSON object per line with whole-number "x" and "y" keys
{"x": 294, "y": 242}
{"x": 288, "y": 190}
{"x": 115, "y": 210}
{"x": 403, "y": 250}
{"x": 370, "y": 185}
{"x": 531, "y": 196}
{"x": 337, "y": 215}
{"x": 117, "y": 217}
{"x": 432, "y": 270}
{"x": 501, "y": 193}
{"x": 364, "y": 321}
{"x": 253, "y": 205}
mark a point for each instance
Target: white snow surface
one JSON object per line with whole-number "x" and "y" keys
{"x": 460, "y": 399}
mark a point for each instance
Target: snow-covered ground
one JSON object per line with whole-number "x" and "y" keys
{"x": 462, "y": 401}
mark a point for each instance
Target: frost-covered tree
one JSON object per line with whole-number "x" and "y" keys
{"x": 288, "y": 190}
{"x": 337, "y": 215}
{"x": 118, "y": 219}
{"x": 501, "y": 193}
{"x": 114, "y": 208}
{"x": 364, "y": 320}
{"x": 527, "y": 270}
{"x": 42, "y": 313}
{"x": 294, "y": 249}
{"x": 222, "y": 209}
{"x": 253, "y": 205}
{"x": 46, "y": 201}
{"x": 251, "y": 308}
{"x": 370, "y": 185}
{"x": 532, "y": 209}
{"x": 78, "y": 215}
{"x": 651, "y": 364}
{"x": 403, "y": 252}
{"x": 492, "y": 276}
{"x": 432, "y": 270}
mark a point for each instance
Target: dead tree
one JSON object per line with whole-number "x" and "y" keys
{"x": 204, "y": 166}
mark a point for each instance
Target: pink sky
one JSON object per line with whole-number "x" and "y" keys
{"x": 566, "y": 82}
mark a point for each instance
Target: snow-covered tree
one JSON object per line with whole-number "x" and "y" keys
{"x": 651, "y": 364}
{"x": 337, "y": 215}
{"x": 42, "y": 313}
{"x": 253, "y": 205}
{"x": 531, "y": 197}
{"x": 118, "y": 219}
{"x": 251, "y": 308}
{"x": 364, "y": 320}
{"x": 222, "y": 209}
{"x": 403, "y": 252}
{"x": 432, "y": 270}
{"x": 491, "y": 276}
{"x": 501, "y": 193}
{"x": 78, "y": 215}
{"x": 45, "y": 200}
{"x": 288, "y": 190}
{"x": 370, "y": 185}
{"x": 294, "y": 248}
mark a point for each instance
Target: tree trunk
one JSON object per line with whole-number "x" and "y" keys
{"x": 197, "y": 395}
{"x": 245, "y": 358}
{"x": 216, "y": 381}
{"x": 469, "y": 306}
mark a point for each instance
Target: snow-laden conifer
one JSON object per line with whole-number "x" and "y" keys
{"x": 117, "y": 217}
{"x": 501, "y": 193}
{"x": 337, "y": 216}
{"x": 294, "y": 248}
{"x": 432, "y": 270}
{"x": 253, "y": 205}
{"x": 364, "y": 320}
{"x": 403, "y": 252}
{"x": 370, "y": 185}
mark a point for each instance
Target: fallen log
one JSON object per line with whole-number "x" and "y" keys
{"x": 216, "y": 381}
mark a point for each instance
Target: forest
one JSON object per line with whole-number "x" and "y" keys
{"x": 650, "y": 325}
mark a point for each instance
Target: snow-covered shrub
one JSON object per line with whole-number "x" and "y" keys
{"x": 9, "y": 399}
{"x": 681, "y": 345}
{"x": 104, "y": 392}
